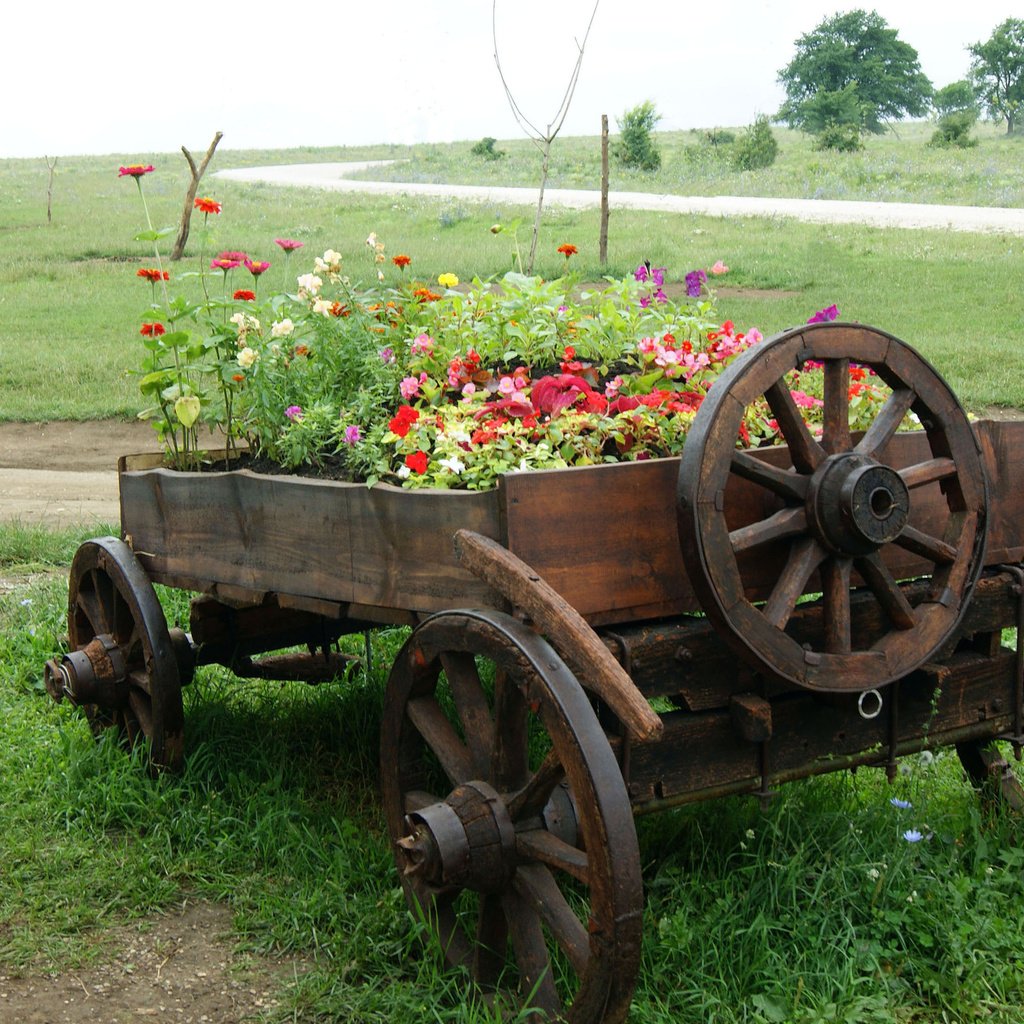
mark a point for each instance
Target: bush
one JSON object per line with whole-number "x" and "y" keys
{"x": 485, "y": 148}
{"x": 843, "y": 138}
{"x": 719, "y": 137}
{"x": 955, "y": 130}
{"x": 635, "y": 147}
{"x": 757, "y": 146}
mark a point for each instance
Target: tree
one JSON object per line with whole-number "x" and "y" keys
{"x": 852, "y": 70}
{"x": 997, "y": 70}
{"x": 636, "y": 148}
{"x": 955, "y": 98}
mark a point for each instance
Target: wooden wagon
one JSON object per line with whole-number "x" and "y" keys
{"x": 794, "y": 610}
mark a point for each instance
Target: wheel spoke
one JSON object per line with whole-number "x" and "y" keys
{"x": 417, "y": 799}
{"x": 886, "y": 591}
{"x": 530, "y": 800}
{"x": 787, "y": 522}
{"x": 471, "y": 704}
{"x": 90, "y": 605}
{"x": 440, "y": 735}
{"x": 491, "y": 940}
{"x": 509, "y": 768}
{"x": 805, "y": 452}
{"x": 887, "y": 422}
{"x": 804, "y": 557}
{"x": 927, "y": 472}
{"x": 536, "y": 885}
{"x": 836, "y": 428}
{"x": 835, "y": 580}
{"x": 779, "y": 481}
{"x": 531, "y": 954}
{"x": 540, "y": 845}
{"x": 926, "y": 546}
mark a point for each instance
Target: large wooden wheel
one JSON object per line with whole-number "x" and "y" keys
{"x": 122, "y": 669}
{"x": 835, "y": 512}
{"x": 510, "y": 822}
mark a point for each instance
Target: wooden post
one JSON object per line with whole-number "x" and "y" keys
{"x": 190, "y": 196}
{"x": 49, "y": 189}
{"x": 603, "y": 241}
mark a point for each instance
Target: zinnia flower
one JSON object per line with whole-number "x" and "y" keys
{"x": 152, "y": 274}
{"x": 244, "y": 296}
{"x": 220, "y": 263}
{"x": 256, "y": 267}
{"x": 207, "y": 205}
{"x": 288, "y": 244}
{"x": 567, "y": 250}
{"x": 401, "y": 260}
{"x": 152, "y": 330}
{"x": 135, "y": 171}
{"x": 233, "y": 254}
{"x": 448, "y": 281}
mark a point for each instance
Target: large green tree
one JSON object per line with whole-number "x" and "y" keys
{"x": 852, "y": 70}
{"x": 997, "y": 70}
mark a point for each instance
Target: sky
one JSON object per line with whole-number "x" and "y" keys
{"x": 127, "y": 79}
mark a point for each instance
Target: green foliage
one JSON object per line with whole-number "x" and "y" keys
{"x": 636, "y": 148}
{"x": 955, "y": 130}
{"x": 869, "y": 74}
{"x": 485, "y": 148}
{"x": 719, "y": 137}
{"x": 997, "y": 70}
{"x": 955, "y": 98}
{"x": 757, "y": 147}
{"x": 842, "y": 138}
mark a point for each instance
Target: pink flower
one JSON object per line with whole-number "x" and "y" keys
{"x": 506, "y": 386}
{"x": 825, "y": 315}
{"x": 220, "y": 263}
{"x": 256, "y": 267}
{"x": 410, "y": 386}
{"x": 288, "y": 244}
{"x": 294, "y": 412}
{"x": 351, "y": 432}
{"x": 719, "y": 268}
{"x": 422, "y": 344}
{"x": 806, "y": 401}
{"x": 135, "y": 171}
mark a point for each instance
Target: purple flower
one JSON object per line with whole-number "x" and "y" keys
{"x": 694, "y": 280}
{"x": 823, "y": 316}
{"x": 660, "y": 296}
{"x": 387, "y": 355}
{"x": 640, "y": 274}
{"x": 658, "y": 276}
{"x": 352, "y": 435}
{"x": 913, "y": 835}
{"x": 903, "y": 805}
{"x": 294, "y": 412}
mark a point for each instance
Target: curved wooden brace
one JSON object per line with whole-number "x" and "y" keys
{"x": 568, "y": 631}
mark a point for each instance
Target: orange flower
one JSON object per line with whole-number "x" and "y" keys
{"x": 425, "y": 295}
{"x": 238, "y": 377}
{"x": 567, "y": 250}
{"x": 339, "y": 309}
{"x": 244, "y": 295}
{"x": 152, "y": 274}
{"x": 401, "y": 260}
{"x": 207, "y": 205}
{"x": 152, "y": 330}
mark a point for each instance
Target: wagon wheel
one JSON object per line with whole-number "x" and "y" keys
{"x": 834, "y": 510}
{"x": 511, "y": 826}
{"x": 123, "y": 668}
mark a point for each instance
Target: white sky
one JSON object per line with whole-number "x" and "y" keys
{"x": 135, "y": 78}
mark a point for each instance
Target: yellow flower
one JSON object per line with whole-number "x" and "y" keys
{"x": 448, "y": 280}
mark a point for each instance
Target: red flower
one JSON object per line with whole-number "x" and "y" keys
{"x": 244, "y": 296}
{"x": 238, "y": 377}
{"x": 401, "y": 260}
{"x": 417, "y": 462}
{"x": 152, "y": 330}
{"x": 400, "y": 423}
{"x": 553, "y": 394}
{"x": 288, "y": 244}
{"x": 135, "y": 171}
{"x": 256, "y": 267}
{"x": 568, "y": 250}
{"x": 152, "y": 274}
{"x": 207, "y": 205}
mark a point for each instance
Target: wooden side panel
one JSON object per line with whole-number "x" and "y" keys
{"x": 381, "y": 547}
{"x": 1002, "y": 448}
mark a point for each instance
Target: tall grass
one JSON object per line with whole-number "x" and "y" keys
{"x": 71, "y": 305}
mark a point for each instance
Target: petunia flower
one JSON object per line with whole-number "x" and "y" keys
{"x": 825, "y": 315}
{"x": 417, "y": 462}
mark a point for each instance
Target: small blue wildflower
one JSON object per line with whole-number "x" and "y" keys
{"x": 26, "y": 602}
{"x": 913, "y": 835}
{"x": 903, "y": 805}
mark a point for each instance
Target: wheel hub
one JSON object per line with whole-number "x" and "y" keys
{"x": 857, "y": 505}
{"x": 96, "y": 674}
{"x": 465, "y": 841}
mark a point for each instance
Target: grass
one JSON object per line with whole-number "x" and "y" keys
{"x": 815, "y": 911}
{"x": 72, "y": 305}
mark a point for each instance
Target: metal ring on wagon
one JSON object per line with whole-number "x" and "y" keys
{"x": 871, "y": 711}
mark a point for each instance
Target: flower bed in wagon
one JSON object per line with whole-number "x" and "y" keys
{"x": 434, "y": 383}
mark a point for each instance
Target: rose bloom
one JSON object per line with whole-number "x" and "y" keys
{"x": 288, "y": 244}
{"x": 152, "y": 330}
{"x": 152, "y": 274}
{"x": 281, "y": 328}
{"x": 135, "y": 171}
{"x": 247, "y": 357}
{"x": 207, "y": 205}
{"x": 244, "y": 296}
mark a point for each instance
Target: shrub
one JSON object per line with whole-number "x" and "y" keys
{"x": 954, "y": 129}
{"x": 843, "y": 138}
{"x": 635, "y": 147}
{"x": 757, "y": 147}
{"x": 719, "y": 137}
{"x": 485, "y": 148}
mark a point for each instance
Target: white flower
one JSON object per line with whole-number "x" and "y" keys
{"x": 247, "y": 357}
{"x": 453, "y": 465}
{"x": 309, "y": 284}
{"x": 322, "y": 306}
{"x": 371, "y": 239}
{"x": 404, "y": 472}
{"x": 281, "y": 328}
{"x": 874, "y": 874}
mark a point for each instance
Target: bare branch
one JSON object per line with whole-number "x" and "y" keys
{"x": 190, "y": 195}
